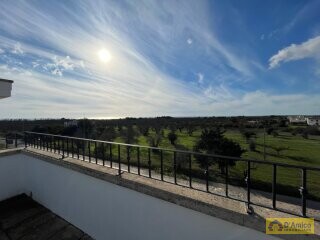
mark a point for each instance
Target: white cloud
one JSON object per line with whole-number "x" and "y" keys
{"x": 1, "y": 51}
{"x": 17, "y": 49}
{"x": 308, "y": 49}
{"x": 189, "y": 41}
{"x": 65, "y": 63}
{"x": 200, "y": 77}
{"x": 130, "y": 85}
{"x": 56, "y": 71}
{"x": 59, "y": 65}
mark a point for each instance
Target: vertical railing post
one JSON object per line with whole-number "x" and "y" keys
{"x": 110, "y": 155}
{"x": 62, "y": 139}
{"x": 207, "y": 174}
{"x": 78, "y": 149}
{"x": 89, "y": 151}
{"x": 72, "y": 148}
{"x": 54, "y": 144}
{"x": 227, "y": 177}
{"x": 128, "y": 158}
{"x": 175, "y": 167}
{"x": 83, "y": 150}
{"x": 274, "y": 186}
{"x": 161, "y": 164}
{"x": 248, "y": 180}
{"x": 190, "y": 170}
{"x": 16, "y": 140}
{"x": 25, "y": 140}
{"x": 103, "y": 154}
{"x": 303, "y": 192}
{"x": 59, "y": 145}
{"x": 68, "y": 147}
{"x": 95, "y": 151}
{"x": 149, "y": 162}
{"x": 6, "y": 141}
{"x": 119, "y": 160}
{"x": 138, "y": 159}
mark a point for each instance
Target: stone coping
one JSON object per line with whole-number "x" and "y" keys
{"x": 217, "y": 206}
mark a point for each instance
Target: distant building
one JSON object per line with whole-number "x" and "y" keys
{"x": 71, "y": 123}
{"x": 253, "y": 122}
{"x": 297, "y": 119}
{"x": 313, "y": 121}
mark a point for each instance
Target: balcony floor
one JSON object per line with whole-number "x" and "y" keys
{"x": 23, "y": 218}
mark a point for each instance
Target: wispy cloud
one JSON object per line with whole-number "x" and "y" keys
{"x": 17, "y": 49}
{"x": 200, "y": 77}
{"x": 308, "y": 49}
{"x": 51, "y": 53}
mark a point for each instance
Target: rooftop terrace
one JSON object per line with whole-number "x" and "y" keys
{"x": 23, "y": 218}
{"x": 59, "y": 190}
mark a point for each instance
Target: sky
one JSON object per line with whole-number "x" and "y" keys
{"x": 112, "y": 59}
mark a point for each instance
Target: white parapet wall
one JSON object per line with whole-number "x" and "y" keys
{"x": 5, "y": 88}
{"x": 108, "y": 211}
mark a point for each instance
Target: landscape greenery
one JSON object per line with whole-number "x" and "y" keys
{"x": 269, "y": 138}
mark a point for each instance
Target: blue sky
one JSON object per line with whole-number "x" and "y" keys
{"x": 177, "y": 58}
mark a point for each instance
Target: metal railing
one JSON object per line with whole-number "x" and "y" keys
{"x": 11, "y": 141}
{"x": 155, "y": 163}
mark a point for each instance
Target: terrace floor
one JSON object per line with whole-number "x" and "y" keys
{"x": 23, "y": 218}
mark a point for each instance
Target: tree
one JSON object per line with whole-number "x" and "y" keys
{"x": 172, "y": 137}
{"x": 109, "y": 134}
{"x": 155, "y": 140}
{"x": 213, "y": 142}
{"x": 279, "y": 149}
{"x": 305, "y": 135}
{"x": 252, "y": 146}
{"x": 269, "y": 130}
{"x": 69, "y": 131}
{"x": 248, "y": 134}
{"x": 144, "y": 130}
{"x": 86, "y": 127}
{"x": 129, "y": 134}
{"x": 191, "y": 128}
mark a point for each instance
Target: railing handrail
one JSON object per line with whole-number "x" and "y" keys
{"x": 185, "y": 152}
{"x": 60, "y": 144}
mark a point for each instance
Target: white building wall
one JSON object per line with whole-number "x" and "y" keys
{"x": 108, "y": 211}
{"x": 5, "y": 89}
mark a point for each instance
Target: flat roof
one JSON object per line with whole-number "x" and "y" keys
{"x": 6, "y": 80}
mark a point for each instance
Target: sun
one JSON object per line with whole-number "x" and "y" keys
{"x": 104, "y": 55}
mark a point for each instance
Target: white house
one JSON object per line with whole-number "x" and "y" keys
{"x": 5, "y": 88}
{"x": 297, "y": 119}
{"x": 313, "y": 121}
{"x": 70, "y": 123}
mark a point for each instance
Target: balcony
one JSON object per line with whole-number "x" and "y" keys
{"x": 5, "y": 88}
{"x": 121, "y": 191}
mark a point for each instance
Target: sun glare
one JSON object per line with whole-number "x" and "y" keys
{"x": 104, "y": 55}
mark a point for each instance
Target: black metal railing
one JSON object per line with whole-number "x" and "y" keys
{"x": 165, "y": 165}
{"x": 11, "y": 141}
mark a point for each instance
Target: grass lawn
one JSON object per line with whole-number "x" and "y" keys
{"x": 299, "y": 151}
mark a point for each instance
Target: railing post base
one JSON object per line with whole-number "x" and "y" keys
{"x": 250, "y": 209}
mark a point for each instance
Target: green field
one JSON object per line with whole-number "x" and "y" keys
{"x": 298, "y": 151}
